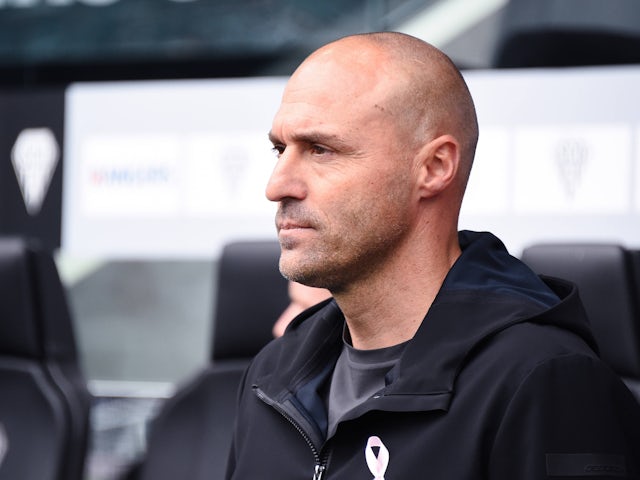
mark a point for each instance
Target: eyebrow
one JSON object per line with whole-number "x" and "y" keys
{"x": 312, "y": 137}
{"x": 272, "y": 138}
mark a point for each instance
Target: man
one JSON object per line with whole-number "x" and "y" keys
{"x": 440, "y": 356}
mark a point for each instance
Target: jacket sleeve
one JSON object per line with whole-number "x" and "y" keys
{"x": 570, "y": 417}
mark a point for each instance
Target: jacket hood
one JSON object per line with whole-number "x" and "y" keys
{"x": 486, "y": 291}
{"x": 486, "y": 266}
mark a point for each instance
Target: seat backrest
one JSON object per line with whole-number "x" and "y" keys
{"x": 44, "y": 405}
{"x": 561, "y": 33}
{"x": 191, "y": 436}
{"x": 605, "y": 279}
{"x": 635, "y": 258}
{"x": 251, "y": 295}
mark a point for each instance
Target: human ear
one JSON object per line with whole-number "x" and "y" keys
{"x": 439, "y": 161}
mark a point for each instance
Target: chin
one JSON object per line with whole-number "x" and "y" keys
{"x": 295, "y": 271}
{"x": 289, "y": 264}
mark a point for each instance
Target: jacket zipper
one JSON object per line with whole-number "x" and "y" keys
{"x": 320, "y": 461}
{"x": 319, "y": 470}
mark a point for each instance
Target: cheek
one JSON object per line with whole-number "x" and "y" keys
{"x": 369, "y": 217}
{"x": 371, "y": 200}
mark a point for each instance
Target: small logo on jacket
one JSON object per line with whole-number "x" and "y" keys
{"x": 377, "y": 463}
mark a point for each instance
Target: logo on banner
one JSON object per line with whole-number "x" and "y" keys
{"x": 379, "y": 462}
{"x": 572, "y": 156}
{"x": 34, "y": 157}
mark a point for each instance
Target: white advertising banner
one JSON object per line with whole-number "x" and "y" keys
{"x": 488, "y": 188}
{"x": 570, "y": 169}
{"x": 636, "y": 178}
{"x": 178, "y": 168}
{"x": 567, "y": 162}
{"x": 167, "y": 169}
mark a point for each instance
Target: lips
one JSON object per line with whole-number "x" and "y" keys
{"x": 291, "y": 233}
{"x": 290, "y": 225}
{"x": 293, "y": 216}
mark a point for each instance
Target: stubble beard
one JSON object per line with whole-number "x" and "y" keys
{"x": 337, "y": 260}
{"x": 356, "y": 245}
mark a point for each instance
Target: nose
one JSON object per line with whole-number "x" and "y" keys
{"x": 286, "y": 180}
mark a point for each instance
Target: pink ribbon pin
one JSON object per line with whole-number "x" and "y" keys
{"x": 377, "y": 465}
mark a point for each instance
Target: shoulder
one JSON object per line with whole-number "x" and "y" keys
{"x": 523, "y": 353}
{"x": 530, "y": 343}
{"x": 570, "y": 402}
{"x": 541, "y": 369}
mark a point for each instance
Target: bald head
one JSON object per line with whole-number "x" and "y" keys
{"x": 424, "y": 91}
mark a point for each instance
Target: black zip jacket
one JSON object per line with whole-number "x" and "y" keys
{"x": 500, "y": 382}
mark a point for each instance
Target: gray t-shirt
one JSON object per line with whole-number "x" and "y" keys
{"x": 358, "y": 375}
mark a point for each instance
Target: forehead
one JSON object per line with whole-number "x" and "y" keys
{"x": 342, "y": 70}
{"x": 334, "y": 89}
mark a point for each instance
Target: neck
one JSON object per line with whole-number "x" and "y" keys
{"x": 388, "y": 308}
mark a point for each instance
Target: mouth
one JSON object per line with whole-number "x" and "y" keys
{"x": 290, "y": 225}
{"x": 292, "y": 221}
{"x": 291, "y": 233}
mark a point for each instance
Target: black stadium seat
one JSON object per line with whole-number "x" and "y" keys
{"x": 44, "y": 404}
{"x": 635, "y": 255}
{"x": 607, "y": 284}
{"x": 191, "y": 436}
{"x": 251, "y": 295}
{"x": 567, "y": 33}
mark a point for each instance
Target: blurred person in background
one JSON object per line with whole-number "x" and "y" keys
{"x": 302, "y": 297}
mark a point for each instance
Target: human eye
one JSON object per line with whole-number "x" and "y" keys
{"x": 319, "y": 150}
{"x": 277, "y": 149}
